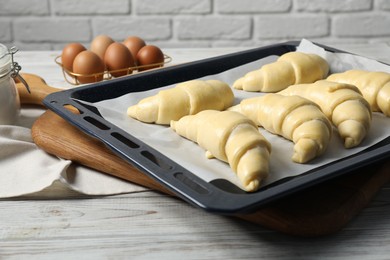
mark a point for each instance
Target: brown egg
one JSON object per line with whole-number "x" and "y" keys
{"x": 69, "y": 53}
{"x": 100, "y": 44}
{"x": 88, "y": 63}
{"x": 118, "y": 57}
{"x": 149, "y": 54}
{"x": 134, "y": 44}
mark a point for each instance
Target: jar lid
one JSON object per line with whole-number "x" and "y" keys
{"x": 5, "y": 61}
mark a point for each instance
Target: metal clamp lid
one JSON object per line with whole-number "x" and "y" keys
{"x": 15, "y": 68}
{"x": 11, "y": 67}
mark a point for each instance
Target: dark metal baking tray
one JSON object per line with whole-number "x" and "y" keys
{"x": 215, "y": 196}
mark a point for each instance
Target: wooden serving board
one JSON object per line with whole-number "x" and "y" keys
{"x": 316, "y": 211}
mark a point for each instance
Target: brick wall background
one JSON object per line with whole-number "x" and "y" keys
{"x": 50, "y": 24}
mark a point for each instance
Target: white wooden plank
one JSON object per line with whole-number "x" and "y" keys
{"x": 154, "y": 226}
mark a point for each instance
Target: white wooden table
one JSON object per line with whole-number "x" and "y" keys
{"x": 58, "y": 223}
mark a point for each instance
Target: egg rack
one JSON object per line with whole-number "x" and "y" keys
{"x": 72, "y": 78}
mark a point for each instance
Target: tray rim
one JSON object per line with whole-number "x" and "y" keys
{"x": 205, "y": 196}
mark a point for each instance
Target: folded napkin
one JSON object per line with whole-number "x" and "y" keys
{"x": 26, "y": 169}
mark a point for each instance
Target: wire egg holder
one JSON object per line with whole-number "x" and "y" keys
{"x": 73, "y": 78}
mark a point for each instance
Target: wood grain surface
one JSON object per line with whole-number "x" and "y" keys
{"x": 299, "y": 214}
{"x": 38, "y": 89}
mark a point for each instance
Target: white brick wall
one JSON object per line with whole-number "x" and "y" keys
{"x": 50, "y": 24}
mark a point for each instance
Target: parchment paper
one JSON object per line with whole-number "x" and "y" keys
{"x": 192, "y": 157}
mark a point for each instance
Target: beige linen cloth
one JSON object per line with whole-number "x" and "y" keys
{"x": 26, "y": 169}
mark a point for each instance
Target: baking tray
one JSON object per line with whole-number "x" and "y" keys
{"x": 217, "y": 196}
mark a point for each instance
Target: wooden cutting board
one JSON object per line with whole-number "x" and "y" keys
{"x": 321, "y": 210}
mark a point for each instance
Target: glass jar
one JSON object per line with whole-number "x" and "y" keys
{"x": 9, "y": 97}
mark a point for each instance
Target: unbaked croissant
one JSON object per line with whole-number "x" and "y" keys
{"x": 293, "y": 117}
{"x": 342, "y": 103}
{"x": 231, "y": 137}
{"x": 290, "y": 68}
{"x": 375, "y": 87}
{"x": 187, "y": 98}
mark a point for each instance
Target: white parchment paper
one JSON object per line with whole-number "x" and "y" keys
{"x": 192, "y": 157}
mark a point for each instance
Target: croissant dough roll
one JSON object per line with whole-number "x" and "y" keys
{"x": 231, "y": 137}
{"x": 290, "y": 68}
{"x": 293, "y": 117}
{"x": 187, "y": 98}
{"x": 375, "y": 87}
{"x": 342, "y": 103}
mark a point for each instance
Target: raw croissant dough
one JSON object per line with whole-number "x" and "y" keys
{"x": 230, "y": 137}
{"x": 187, "y": 98}
{"x": 375, "y": 87}
{"x": 292, "y": 117}
{"x": 290, "y": 68}
{"x": 342, "y": 103}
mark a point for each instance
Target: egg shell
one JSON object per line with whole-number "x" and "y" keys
{"x": 69, "y": 53}
{"x": 150, "y": 54}
{"x": 118, "y": 57}
{"x": 100, "y": 44}
{"x": 88, "y": 63}
{"x": 134, "y": 44}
